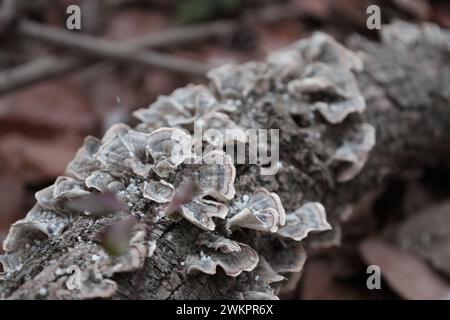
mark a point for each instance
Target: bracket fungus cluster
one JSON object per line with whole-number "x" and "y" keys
{"x": 233, "y": 257}
{"x": 263, "y": 211}
{"x": 354, "y": 152}
{"x": 318, "y": 72}
{"x": 153, "y": 169}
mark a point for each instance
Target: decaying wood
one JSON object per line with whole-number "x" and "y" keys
{"x": 404, "y": 82}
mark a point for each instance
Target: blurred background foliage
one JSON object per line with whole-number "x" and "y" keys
{"x": 191, "y": 11}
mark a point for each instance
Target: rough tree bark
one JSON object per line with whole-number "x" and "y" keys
{"x": 404, "y": 82}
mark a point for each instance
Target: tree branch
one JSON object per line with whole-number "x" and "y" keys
{"x": 51, "y": 66}
{"x": 99, "y": 47}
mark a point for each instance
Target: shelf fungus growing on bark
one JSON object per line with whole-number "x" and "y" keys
{"x": 232, "y": 82}
{"x": 262, "y": 212}
{"x": 39, "y": 224}
{"x": 218, "y": 129}
{"x": 232, "y": 257}
{"x": 309, "y": 217}
{"x": 187, "y": 198}
{"x": 321, "y": 76}
{"x": 158, "y": 191}
{"x": 201, "y": 216}
{"x": 56, "y": 196}
{"x": 354, "y": 152}
{"x": 138, "y": 153}
{"x": 180, "y": 109}
{"x": 266, "y": 273}
{"x": 84, "y": 161}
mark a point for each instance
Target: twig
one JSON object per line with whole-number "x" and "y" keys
{"x": 184, "y": 35}
{"x": 102, "y": 48}
{"x": 37, "y": 70}
{"x": 51, "y": 66}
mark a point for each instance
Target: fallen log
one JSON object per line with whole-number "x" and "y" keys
{"x": 348, "y": 119}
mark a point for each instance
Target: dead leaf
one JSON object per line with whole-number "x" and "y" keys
{"x": 322, "y": 280}
{"x": 11, "y": 199}
{"x": 125, "y": 24}
{"x": 427, "y": 234}
{"x": 52, "y": 105}
{"x": 37, "y": 159}
{"x": 405, "y": 273}
{"x": 314, "y": 8}
{"x": 275, "y": 36}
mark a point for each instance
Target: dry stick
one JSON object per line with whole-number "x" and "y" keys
{"x": 51, "y": 66}
{"x": 37, "y": 70}
{"x": 188, "y": 34}
{"x": 99, "y": 47}
{"x": 183, "y": 35}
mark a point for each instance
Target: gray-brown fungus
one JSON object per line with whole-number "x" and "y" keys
{"x": 309, "y": 217}
{"x": 84, "y": 161}
{"x": 218, "y": 129}
{"x": 126, "y": 153}
{"x": 158, "y": 191}
{"x": 266, "y": 273}
{"x": 218, "y": 243}
{"x": 181, "y": 108}
{"x": 257, "y": 295}
{"x": 55, "y": 196}
{"x": 216, "y": 176}
{"x": 201, "y": 211}
{"x": 39, "y": 224}
{"x": 103, "y": 182}
{"x": 232, "y": 82}
{"x": 354, "y": 152}
{"x": 262, "y": 212}
{"x": 169, "y": 148}
{"x": 323, "y": 77}
{"x": 213, "y": 177}
{"x": 233, "y": 263}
